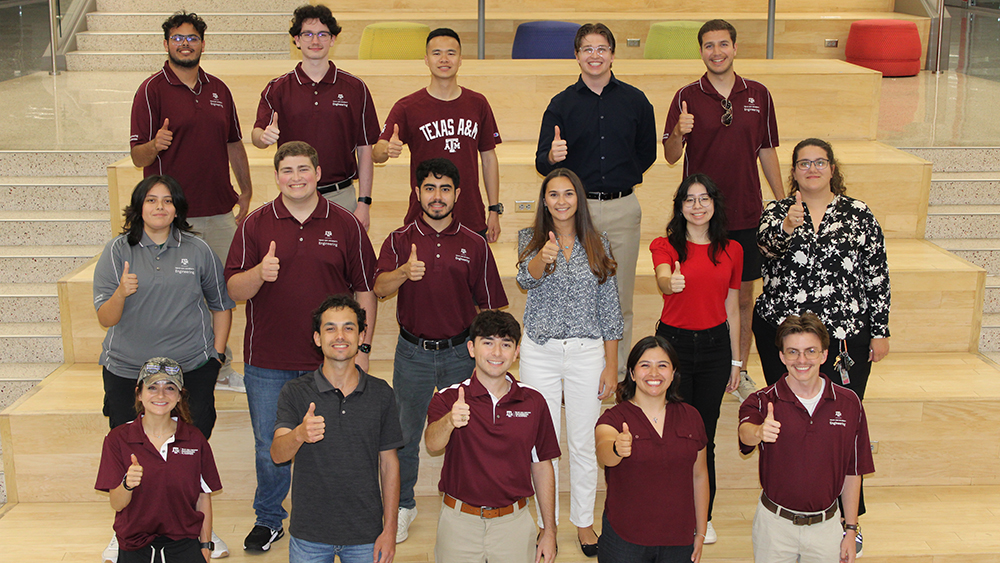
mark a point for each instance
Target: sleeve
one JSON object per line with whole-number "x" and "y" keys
{"x": 609, "y": 309}
{"x": 489, "y": 134}
{"x": 735, "y": 251}
{"x": 112, "y": 467}
{"x": 440, "y": 404}
{"x": 487, "y": 286}
{"x": 391, "y": 435}
{"x": 397, "y": 116}
{"x": 243, "y": 253}
{"x": 388, "y": 256}
{"x": 611, "y": 417}
{"x": 769, "y": 136}
{"x": 863, "y": 463}
{"x": 546, "y": 441}
{"x": 663, "y": 252}
{"x": 752, "y": 410}
{"x": 289, "y": 410}
{"x": 213, "y": 280}
{"x": 772, "y": 240}
{"x": 145, "y": 112}
{"x": 645, "y": 135}
{"x": 267, "y": 106}
{"x": 361, "y": 271}
{"x": 876, "y": 277}
{"x": 235, "y": 134}
{"x": 368, "y": 133}
{"x": 108, "y": 272}
{"x": 673, "y": 115}
{"x": 550, "y": 119}
{"x": 209, "y": 471}
{"x": 524, "y": 278}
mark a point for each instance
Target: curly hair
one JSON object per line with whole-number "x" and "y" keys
{"x": 837, "y": 185}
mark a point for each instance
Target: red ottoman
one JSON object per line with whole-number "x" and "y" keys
{"x": 889, "y": 46}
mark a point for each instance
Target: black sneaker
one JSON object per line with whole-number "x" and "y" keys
{"x": 260, "y": 538}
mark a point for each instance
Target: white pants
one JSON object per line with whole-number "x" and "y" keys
{"x": 777, "y": 540}
{"x": 572, "y": 368}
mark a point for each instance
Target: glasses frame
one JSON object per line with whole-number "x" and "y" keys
{"x": 809, "y": 353}
{"x": 321, "y": 35}
{"x": 703, "y": 200}
{"x": 820, "y": 164}
{"x": 178, "y": 39}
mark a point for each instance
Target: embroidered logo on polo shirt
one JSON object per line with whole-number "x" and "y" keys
{"x": 518, "y": 414}
{"x": 183, "y": 451}
{"x": 837, "y": 420}
{"x": 329, "y": 234}
{"x": 340, "y": 101}
{"x": 184, "y": 261}
{"x": 751, "y": 105}
{"x": 463, "y": 257}
{"x": 328, "y": 240}
{"x": 215, "y": 101}
{"x": 184, "y": 270}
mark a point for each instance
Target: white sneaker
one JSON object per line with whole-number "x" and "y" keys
{"x": 406, "y": 517}
{"x": 110, "y": 554}
{"x": 221, "y": 549}
{"x": 710, "y": 535}
{"x": 745, "y": 388}
{"x": 232, "y": 381}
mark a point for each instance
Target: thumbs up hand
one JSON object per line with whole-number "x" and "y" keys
{"x": 558, "y": 151}
{"x": 623, "y": 443}
{"x": 269, "y": 265}
{"x": 795, "y": 216}
{"x": 313, "y": 427}
{"x": 129, "y": 283}
{"x": 395, "y": 145}
{"x": 685, "y": 122}
{"x": 770, "y": 429}
{"x": 550, "y": 251}
{"x": 676, "y": 279}
{"x": 460, "y": 410}
{"x": 414, "y": 268}
{"x": 271, "y": 132}
{"x": 133, "y": 476}
{"x": 163, "y": 137}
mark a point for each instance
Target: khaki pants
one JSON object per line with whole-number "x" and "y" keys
{"x": 217, "y": 231}
{"x": 344, "y": 198}
{"x": 777, "y": 540}
{"x": 465, "y": 538}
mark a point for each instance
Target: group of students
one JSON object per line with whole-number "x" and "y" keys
{"x": 162, "y": 291}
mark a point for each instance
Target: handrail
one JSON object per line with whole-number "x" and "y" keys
{"x": 53, "y": 34}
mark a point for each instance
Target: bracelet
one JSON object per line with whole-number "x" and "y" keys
{"x": 737, "y": 364}
{"x": 614, "y": 448}
{"x": 125, "y": 485}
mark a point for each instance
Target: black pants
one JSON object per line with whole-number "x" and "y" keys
{"x": 613, "y": 549}
{"x": 119, "y": 397}
{"x": 705, "y": 365}
{"x": 764, "y": 334}
{"x": 186, "y": 550}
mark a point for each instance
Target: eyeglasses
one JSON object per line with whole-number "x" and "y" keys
{"x": 727, "y": 118}
{"x": 190, "y": 39}
{"x": 323, "y": 35}
{"x": 819, "y": 163}
{"x": 809, "y": 353}
{"x": 703, "y": 200}
{"x": 602, "y": 50}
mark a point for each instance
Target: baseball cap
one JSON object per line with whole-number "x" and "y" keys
{"x": 161, "y": 369}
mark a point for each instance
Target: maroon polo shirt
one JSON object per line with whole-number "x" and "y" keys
{"x": 728, "y": 154}
{"x": 460, "y": 276}
{"x": 804, "y": 469}
{"x": 327, "y": 254}
{"x": 335, "y": 115}
{"x": 204, "y": 122}
{"x": 650, "y": 498}
{"x": 488, "y": 462}
{"x": 164, "y": 503}
{"x": 458, "y": 130}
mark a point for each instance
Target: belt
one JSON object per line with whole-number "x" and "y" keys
{"x": 483, "y": 511}
{"x": 426, "y": 344}
{"x": 604, "y": 196}
{"x": 798, "y": 518}
{"x": 336, "y": 186}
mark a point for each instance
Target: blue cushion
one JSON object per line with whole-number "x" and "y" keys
{"x": 544, "y": 40}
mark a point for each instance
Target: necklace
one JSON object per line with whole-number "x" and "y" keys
{"x": 656, "y": 419}
{"x": 573, "y": 239}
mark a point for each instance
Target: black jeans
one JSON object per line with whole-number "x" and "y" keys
{"x": 705, "y": 358}
{"x": 119, "y": 397}
{"x": 764, "y": 334}
{"x": 613, "y": 549}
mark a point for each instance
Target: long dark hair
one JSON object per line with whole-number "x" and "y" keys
{"x": 626, "y": 388}
{"x": 181, "y": 410}
{"x": 134, "y": 225}
{"x": 601, "y": 263}
{"x": 837, "y": 185}
{"x": 677, "y": 227}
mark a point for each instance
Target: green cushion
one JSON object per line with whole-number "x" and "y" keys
{"x": 673, "y": 40}
{"x": 394, "y": 40}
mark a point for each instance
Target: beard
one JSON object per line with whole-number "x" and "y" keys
{"x": 437, "y": 216}
{"x": 185, "y": 63}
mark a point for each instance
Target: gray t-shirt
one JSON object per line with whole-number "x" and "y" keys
{"x": 180, "y": 283}
{"x": 336, "y": 497}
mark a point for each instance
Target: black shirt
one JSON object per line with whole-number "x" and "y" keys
{"x": 610, "y": 138}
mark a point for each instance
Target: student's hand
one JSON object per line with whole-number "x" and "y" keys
{"x": 414, "y": 268}
{"x": 771, "y": 428}
{"x": 609, "y": 381}
{"x": 385, "y": 547}
{"x": 133, "y": 476}
{"x": 676, "y": 279}
{"x": 550, "y": 251}
{"x": 623, "y": 442}
{"x": 129, "y": 283}
{"x": 269, "y": 265}
{"x": 795, "y": 216}
{"x": 395, "y": 145}
{"x": 313, "y": 427}
{"x": 559, "y": 150}
{"x": 685, "y": 122}
{"x": 460, "y": 411}
{"x": 547, "y": 548}
{"x": 492, "y": 226}
{"x": 164, "y": 137}
{"x": 878, "y": 348}
{"x": 848, "y": 552}
{"x": 271, "y": 132}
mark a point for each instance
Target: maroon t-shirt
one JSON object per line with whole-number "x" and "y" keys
{"x": 335, "y": 116}
{"x": 458, "y": 130}
{"x": 488, "y": 462}
{"x": 804, "y": 469}
{"x": 728, "y": 154}
{"x": 164, "y": 503}
{"x": 702, "y": 304}
{"x": 460, "y": 276}
{"x": 650, "y": 497}
{"x": 204, "y": 122}
{"x": 327, "y": 254}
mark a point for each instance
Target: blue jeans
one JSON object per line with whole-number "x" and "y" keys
{"x": 263, "y": 387}
{"x": 302, "y": 551}
{"x": 415, "y": 374}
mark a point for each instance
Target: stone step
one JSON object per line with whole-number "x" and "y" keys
{"x": 984, "y": 253}
{"x": 963, "y": 221}
{"x": 972, "y": 188}
{"x": 150, "y": 61}
{"x": 991, "y": 299}
{"x": 22, "y": 163}
{"x": 59, "y": 228}
{"x": 269, "y": 41}
{"x": 989, "y": 339}
{"x": 85, "y": 193}
{"x": 959, "y": 159}
{"x": 28, "y": 302}
{"x": 217, "y": 22}
{"x": 42, "y": 264}
{"x": 31, "y": 342}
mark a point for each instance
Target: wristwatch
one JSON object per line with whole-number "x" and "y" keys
{"x": 365, "y": 348}
{"x": 209, "y": 545}
{"x": 222, "y": 357}
{"x": 365, "y": 199}
{"x": 498, "y": 208}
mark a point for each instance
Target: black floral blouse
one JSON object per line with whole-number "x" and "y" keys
{"x": 839, "y": 273}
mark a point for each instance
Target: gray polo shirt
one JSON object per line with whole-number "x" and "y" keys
{"x": 180, "y": 283}
{"x": 336, "y": 497}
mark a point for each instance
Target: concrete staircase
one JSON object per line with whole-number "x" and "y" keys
{"x": 963, "y": 217}
{"x": 54, "y": 218}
